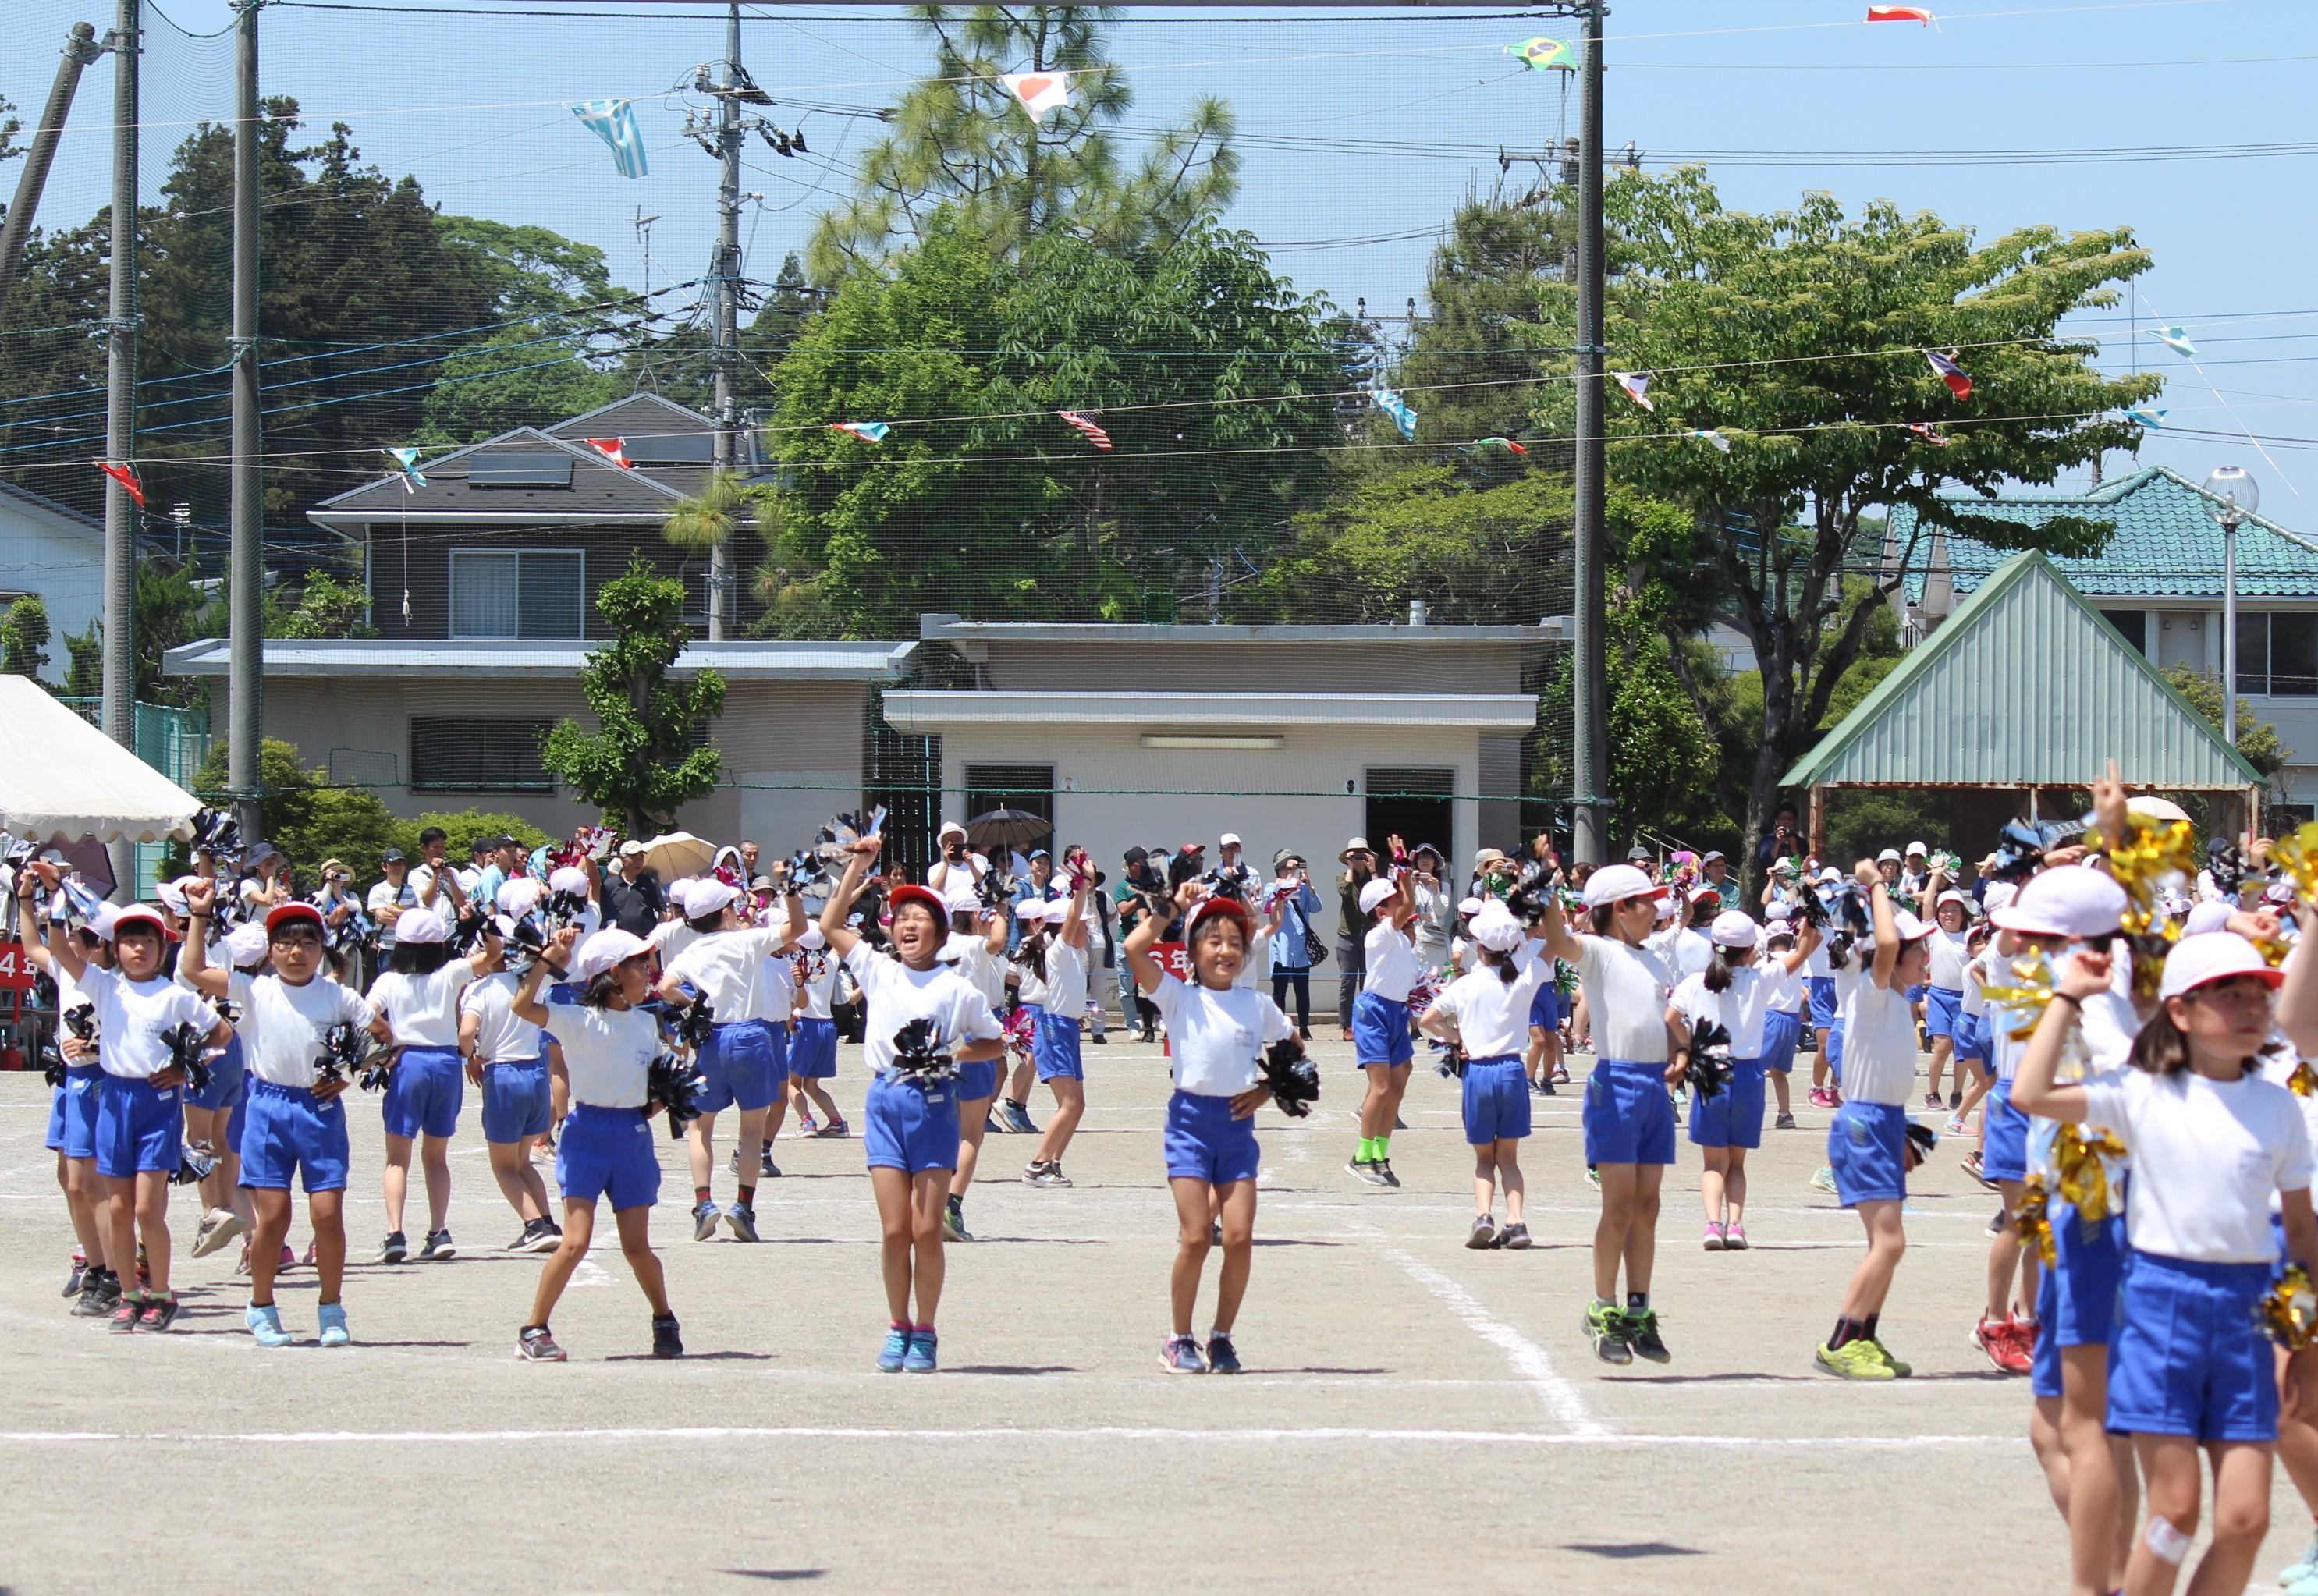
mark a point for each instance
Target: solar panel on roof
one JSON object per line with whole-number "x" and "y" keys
{"x": 693, "y": 448}
{"x": 520, "y": 471}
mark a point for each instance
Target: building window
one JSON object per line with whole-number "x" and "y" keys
{"x": 2278, "y": 654}
{"x": 526, "y": 593}
{"x": 464, "y": 755}
{"x": 2132, "y": 625}
{"x": 1026, "y": 787}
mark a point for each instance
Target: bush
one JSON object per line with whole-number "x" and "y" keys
{"x": 462, "y": 827}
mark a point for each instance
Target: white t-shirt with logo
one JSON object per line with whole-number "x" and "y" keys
{"x": 1216, "y": 1036}
{"x": 2206, "y": 1156}
{"x": 283, "y": 1026}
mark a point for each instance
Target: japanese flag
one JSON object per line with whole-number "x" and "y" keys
{"x": 1039, "y": 92}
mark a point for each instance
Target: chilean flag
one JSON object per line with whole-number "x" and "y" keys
{"x": 1950, "y": 374}
{"x": 614, "y": 449}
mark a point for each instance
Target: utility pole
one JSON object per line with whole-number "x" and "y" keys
{"x": 120, "y": 712}
{"x": 1590, "y": 718}
{"x": 80, "y": 48}
{"x": 246, "y": 594}
{"x": 725, "y": 276}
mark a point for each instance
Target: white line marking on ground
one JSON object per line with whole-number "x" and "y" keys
{"x": 1094, "y": 1433}
{"x": 1528, "y": 1359}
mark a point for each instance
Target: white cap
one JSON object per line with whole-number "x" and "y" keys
{"x": 1376, "y": 893}
{"x": 1030, "y": 911}
{"x": 101, "y": 924}
{"x": 811, "y": 939}
{"x": 1909, "y": 927}
{"x": 1229, "y": 839}
{"x": 960, "y": 900}
{"x": 1613, "y": 883}
{"x": 1779, "y": 911}
{"x": 1469, "y": 906}
{"x": 1667, "y": 906}
{"x": 2213, "y": 915}
{"x": 1889, "y": 856}
{"x": 519, "y": 897}
{"x": 601, "y": 950}
{"x": 419, "y": 926}
{"x": 950, "y": 828}
{"x": 1916, "y": 847}
{"x": 172, "y": 893}
{"x": 2216, "y": 955}
{"x": 631, "y": 846}
{"x": 2074, "y": 900}
{"x": 1058, "y": 910}
{"x": 1496, "y": 928}
{"x": 1999, "y": 894}
{"x": 704, "y": 897}
{"x": 245, "y": 945}
{"x": 569, "y": 879}
{"x": 1733, "y": 927}
{"x": 1829, "y": 875}
{"x": 1953, "y": 896}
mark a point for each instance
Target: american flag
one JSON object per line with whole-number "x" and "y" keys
{"x": 1085, "y": 424}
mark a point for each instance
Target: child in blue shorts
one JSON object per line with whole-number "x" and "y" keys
{"x": 506, "y": 1060}
{"x": 1216, "y": 1030}
{"x": 812, "y": 1038}
{"x": 1482, "y": 1011}
{"x": 215, "y": 1114}
{"x": 1381, "y": 1043}
{"x": 94, "y": 1288}
{"x": 418, "y": 996}
{"x": 1060, "y": 940}
{"x": 921, "y": 1020}
{"x": 605, "y": 1152}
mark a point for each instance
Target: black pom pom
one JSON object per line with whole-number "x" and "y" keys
{"x": 185, "y": 1044}
{"x": 689, "y": 1025}
{"x": 671, "y": 1081}
{"x": 1709, "y": 1070}
{"x": 1295, "y": 1084}
{"x": 1449, "y": 1060}
{"x": 195, "y": 1160}
{"x": 917, "y": 1052}
{"x": 345, "y": 1047}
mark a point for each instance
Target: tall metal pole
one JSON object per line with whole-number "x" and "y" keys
{"x": 246, "y": 594}
{"x": 2230, "y": 630}
{"x": 724, "y": 353}
{"x": 80, "y": 50}
{"x": 1590, "y": 717}
{"x": 121, "y": 391}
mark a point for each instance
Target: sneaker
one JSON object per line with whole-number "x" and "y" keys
{"x": 1854, "y": 1360}
{"x": 1823, "y": 1180}
{"x": 1642, "y": 1334}
{"x": 521, "y": 1243}
{"x": 1016, "y": 1117}
{"x": 1734, "y": 1237}
{"x": 807, "y": 1126}
{"x": 534, "y": 1345}
{"x": 266, "y": 1324}
{"x": 1996, "y": 1223}
{"x": 1786, "y": 1121}
{"x": 394, "y": 1249}
{"x": 330, "y": 1318}
{"x": 1605, "y": 1327}
{"x": 1955, "y": 1101}
{"x": 76, "y": 1275}
{"x": 1972, "y": 1167}
{"x": 1384, "y": 1167}
{"x": 1955, "y": 1124}
{"x": 954, "y": 1221}
{"x": 99, "y": 1294}
{"x": 550, "y": 1237}
{"x": 1046, "y": 1174}
{"x": 438, "y": 1248}
{"x": 219, "y": 1226}
{"x": 922, "y": 1357}
{"x": 1545, "y": 1089}
{"x": 666, "y": 1340}
{"x": 896, "y": 1351}
{"x": 1364, "y": 1168}
{"x": 742, "y": 1220}
{"x": 836, "y": 1130}
{"x": 1820, "y": 1098}
{"x": 2304, "y": 1571}
{"x": 1593, "y": 1176}
{"x": 1560, "y": 1077}
{"x": 705, "y": 1216}
{"x": 1181, "y": 1355}
{"x": 159, "y": 1313}
{"x": 1932, "y": 1100}
{"x": 1996, "y": 1344}
{"x": 1515, "y": 1237}
{"x": 1484, "y": 1233}
{"x": 291, "y": 1261}
{"x": 767, "y": 1170}
{"x": 733, "y": 1160}
{"x": 1899, "y": 1370}
{"x": 125, "y": 1312}
{"x": 1714, "y": 1243}
{"x": 1222, "y": 1357}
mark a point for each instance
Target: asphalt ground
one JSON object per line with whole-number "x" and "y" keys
{"x": 1415, "y": 1416}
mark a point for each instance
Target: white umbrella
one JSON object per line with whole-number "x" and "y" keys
{"x": 2156, "y": 808}
{"x": 678, "y": 854}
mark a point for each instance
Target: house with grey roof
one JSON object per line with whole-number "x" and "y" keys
{"x": 56, "y": 554}
{"x": 2159, "y": 582}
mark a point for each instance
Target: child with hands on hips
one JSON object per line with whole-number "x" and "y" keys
{"x": 605, "y": 1151}
{"x": 2211, "y": 1141}
{"x": 294, "y": 1123}
{"x": 1217, "y": 1030}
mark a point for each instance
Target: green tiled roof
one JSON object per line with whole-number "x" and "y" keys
{"x": 2166, "y": 543}
{"x": 1953, "y": 713}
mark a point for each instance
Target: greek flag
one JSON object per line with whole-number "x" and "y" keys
{"x": 615, "y": 122}
{"x": 1397, "y": 408}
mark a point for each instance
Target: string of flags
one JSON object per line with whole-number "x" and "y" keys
{"x": 1712, "y": 435}
{"x": 126, "y": 475}
{"x": 406, "y": 466}
{"x": 1949, "y": 373}
{"x": 2177, "y": 339}
{"x": 615, "y": 122}
{"x": 1900, "y": 14}
{"x": 1544, "y": 55}
{"x": 1086, "y": 424}
{"x": 1930, "y": 434}
{"x": 614, "y": 449}
{"x": 1638, "y": 389}
{"x": 2151, "y": 416}
{"x": 1398, "y": 408}
{"x": 868, "y": 431}
{"x": 1037, "y": 92}
{"x": 1500, "y": 446}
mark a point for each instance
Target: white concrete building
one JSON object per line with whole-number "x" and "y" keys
{"x": 57, "y": 553}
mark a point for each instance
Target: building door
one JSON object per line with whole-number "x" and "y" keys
{"x": 1416, "y": 805}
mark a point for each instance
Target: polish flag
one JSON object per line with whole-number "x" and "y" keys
{"x": 1038, "y": 92}
{"x": 1950, "y": 374}
{"x": 614, "y": 449}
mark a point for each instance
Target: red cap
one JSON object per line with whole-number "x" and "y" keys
{"x": 917, "y": 894}
{"x": 138, "y": 914}
{"x": 1207, "y": 908}
{"x": 284, "y": 914}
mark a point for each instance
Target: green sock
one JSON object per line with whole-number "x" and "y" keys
{"x": 1367, "y": 1150}
{"x": 1383, "y": 1148}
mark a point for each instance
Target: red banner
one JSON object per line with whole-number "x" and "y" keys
{"x": 15, "y": 967}
{"x": 1174, "y": 958}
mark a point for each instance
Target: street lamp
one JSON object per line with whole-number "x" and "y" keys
{"x": 2235, "y": 495}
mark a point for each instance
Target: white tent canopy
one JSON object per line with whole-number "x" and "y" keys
{"x": 61, "y": 777}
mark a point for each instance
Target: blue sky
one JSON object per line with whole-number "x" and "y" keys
{"x": 1777, "y": 96}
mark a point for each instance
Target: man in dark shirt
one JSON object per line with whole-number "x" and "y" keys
{"x": 633, "y": 899}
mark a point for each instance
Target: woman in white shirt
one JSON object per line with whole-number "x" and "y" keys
{"x": 419, "y": 996}
{"x": 909, "y": 1123}
{"x": 605, "y": 1152}
{"x": 1216, "y": 1030}
{"x": 1485, "y": 1013}
{"x": 2211, "y": 1141}
{"x": 1381, "y": 1043}
{"x": 1628, "y": 1116}
{"x": 1867, "y": 1145}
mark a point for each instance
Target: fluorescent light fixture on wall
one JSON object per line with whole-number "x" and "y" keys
{"x": 1245, "y": 741}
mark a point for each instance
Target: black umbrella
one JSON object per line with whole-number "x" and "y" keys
{"x": 1007, "y": 828}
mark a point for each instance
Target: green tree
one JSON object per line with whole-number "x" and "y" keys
{"x": 1474, "y": 360}
{"x": 1663, "y": 753}
{"x": 518, "y": 377}
{"x": 1800, "y": 334}
{"x": 648, "y": 753}
{"x": 25, "y": 637}
{"x": 324, "y": 608}
{"x": 2258, "y": 740}
{"x": 85, "y": 675}
{"x": 961, "y": 141}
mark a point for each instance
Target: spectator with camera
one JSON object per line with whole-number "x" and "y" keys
{"x": 1288, "y": 905}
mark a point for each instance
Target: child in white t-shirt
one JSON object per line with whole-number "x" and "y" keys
{"x": 1381, "y": 1042}
{"x": 1485, "y": 1013}
{"x": 1216, "y": 1031}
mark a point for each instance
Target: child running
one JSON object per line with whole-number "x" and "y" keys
{"x": 1217, "y": 1029}
{"x": 1483, "y": 1012}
